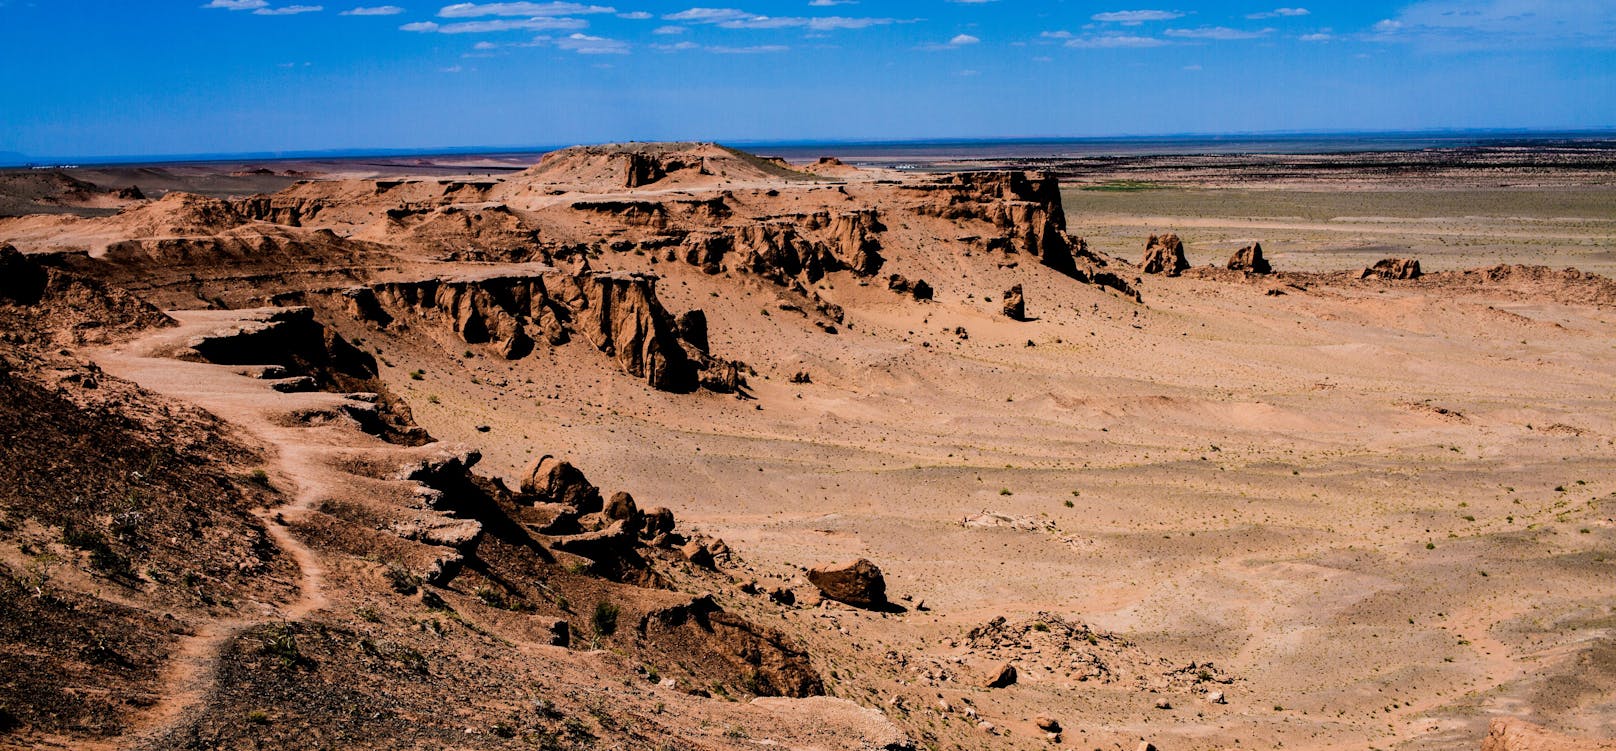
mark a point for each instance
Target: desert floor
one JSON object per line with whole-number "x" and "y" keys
{"x": 1383, "y": 510}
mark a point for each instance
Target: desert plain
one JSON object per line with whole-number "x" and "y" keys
{"x": 1313, "y": 508}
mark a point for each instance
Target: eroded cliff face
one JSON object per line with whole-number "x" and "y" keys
{"x": 617, "y": 313}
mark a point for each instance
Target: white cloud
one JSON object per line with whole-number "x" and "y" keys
{"x": 380, "y": 10}
{"x": 962, "y": 40}
{"x": 669, "y": 30}
{"x": 1136, "y": 17}
{"x": 1280, "y": 13}
{"x": 1220, "y": 33}
{"x": 585, "y": 44}
{"x": 1321, "y": 36}
{"x": 477, "y": 10}
{"x": 238, "y": 4}
{"x": 290, "y": 10}
{"x": 638, "y": 15}
{"x": 828, "y": 3}
{"x": 497, "y": 25}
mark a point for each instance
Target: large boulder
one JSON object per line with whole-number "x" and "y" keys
{"x": 1250, "y": 259}
{"x": 1164, "y": 255}
{"x": 1393, "y": 268}
{"x": 859, "y": 583}
{"x": 1015, "y": 305}
{"x": 555, "y": 481}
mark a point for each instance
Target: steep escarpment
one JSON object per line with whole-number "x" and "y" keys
{"x": 1025, "y": 207}
{"x": 618, "y": 313}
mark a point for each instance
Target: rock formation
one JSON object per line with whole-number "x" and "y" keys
{"x": 1015, "y": 307}
{"x": 1393, "y": 268}
{"x": 1250, "y": 259}
{"x": 859, "y": 583}
{"x": 552, "y": 480}
{"x": 1164, "y": 255}
{"x": 618, "y": 313}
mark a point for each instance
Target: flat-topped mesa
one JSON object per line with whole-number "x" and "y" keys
{"x": 618, "y": 313}
{"x": 633, "y": 165}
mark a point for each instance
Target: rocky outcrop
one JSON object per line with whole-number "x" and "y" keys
{"x": 1164, "y": 255}
{"x": 1015, "y": 305}
{"x": 1393, "y": 269}
{"x": 552, "y": 480}
{"x": 297, "y": 345}
{"x": 1250, "y": 259}
{"x": 1511, "y": 734}
{"x": 291, "y": 211}
{"x": 1026, "y": 206}
{"x": 618, "y": 313}
{"x": 859, "y": 583}
{"x": 660, "y": 214}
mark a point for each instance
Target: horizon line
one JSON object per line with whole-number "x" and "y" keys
{"x": 13, "y": 160}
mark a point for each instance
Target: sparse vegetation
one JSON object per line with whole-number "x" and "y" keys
{"x": 604, "y": 619}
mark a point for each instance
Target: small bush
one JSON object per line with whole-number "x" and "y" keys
{"x": 281, "y": 643}
{"x": 402, "y": 580}
{"x": 604, "y": 618}
{"x": 259, "y": 477}
{"x": 258, "y": 717}
{"x": 1005, "y": 491}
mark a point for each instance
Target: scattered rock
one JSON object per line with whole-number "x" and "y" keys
{"x": 1002, "y": 677}
{"x": 1015, "y": 305}
{"x": 1216, "y": 697}
{"x": 859, "y": 583}
{"x": 783, "y": 596}
{"x": 1250, "y": 259}
{"x": 922, "y": 290}
{"x": 1164, "y": 255}
{"x": 697, "y": 554}
{"x": 1047, "y": 724}
{"x": 802, "y": 377}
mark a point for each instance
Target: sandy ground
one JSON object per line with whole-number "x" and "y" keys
{"x": 1262, "y": 483}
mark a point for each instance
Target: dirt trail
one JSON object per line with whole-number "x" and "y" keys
{"x": 253, "y": 406}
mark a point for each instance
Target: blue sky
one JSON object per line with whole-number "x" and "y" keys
{"x": 89, "y": 78}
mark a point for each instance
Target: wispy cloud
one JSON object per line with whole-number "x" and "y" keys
{"x": 497, "y": 25}
{"x": 238, "y": 4}
{"x": 1473, "y": 24}
{"x": 478, "y": 10}
{"x": 734, "y": 18}
{"x": 1114, "y": 41}
{"x": 289, "y": 10}
{"x": 1218, "y": 33}
{"x": 1280, "y": 13}
{"x": 1136, "y": 17}
{"x": 380, "y": 10}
